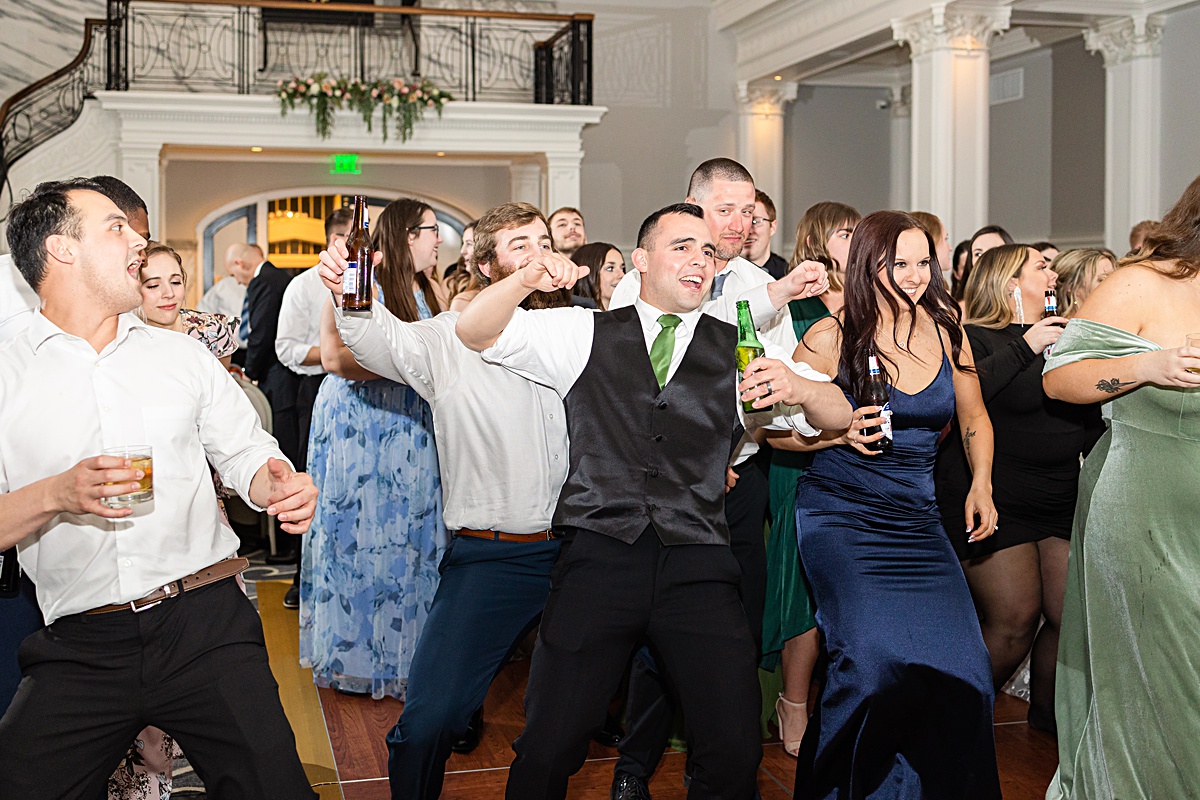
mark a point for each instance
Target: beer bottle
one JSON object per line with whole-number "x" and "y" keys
{"x": 357, "y": 279}
{"x": 10, "y": 573}
{"x": 748, "y": 349}
{"x": 877, "y": 395}
{"x": 1051, "y": 305}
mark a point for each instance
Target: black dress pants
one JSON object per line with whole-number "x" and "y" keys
{"x": 606, "y": 597}
{"x": 194, "y": 665}
{"x": 650, "y": 709}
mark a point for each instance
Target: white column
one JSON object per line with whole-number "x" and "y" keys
{"x": 138, "y": 166}
{"x": 1132, "y": 49}
{"x": 525, "y": 180}
{"x": 950, "y": 72}
{"x": 562, "y": 180}
{"x": 900, "y": 105}
{"x": 760, "y": 140}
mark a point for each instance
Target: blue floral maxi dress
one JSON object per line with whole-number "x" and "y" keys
{"x": 369, "y": 568}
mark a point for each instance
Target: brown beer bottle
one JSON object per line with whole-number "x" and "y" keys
{"x": 357, "y": 279}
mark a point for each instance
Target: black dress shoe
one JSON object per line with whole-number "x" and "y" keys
{"x": 470, "y": 739}
{"x": 282, "y": 557}
{"x": 627, "y": 787}
{"x": 611, "y": 734}
{"x": 292, "y": 598}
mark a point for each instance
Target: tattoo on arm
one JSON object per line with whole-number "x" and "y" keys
{"x": 1113, "y": 386}
{"x": 968, "y": 434}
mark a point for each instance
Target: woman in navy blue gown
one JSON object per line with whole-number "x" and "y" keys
{"x": 906, "y": 708}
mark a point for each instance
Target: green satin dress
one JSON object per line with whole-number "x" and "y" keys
{"x": 790, "y": 610}
{"x": 1128, "y": 687}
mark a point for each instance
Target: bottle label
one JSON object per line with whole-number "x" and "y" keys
{"x": 350, "y": 278}
{"x": 886, "y": 420}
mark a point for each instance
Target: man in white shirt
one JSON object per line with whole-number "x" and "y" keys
{"x": 566, "y": 227}
{"x": 298, "y": 337}
{"x": 502, "y": 446}
{"x": 645, "y": 550}
{"x": 145, "y": 624}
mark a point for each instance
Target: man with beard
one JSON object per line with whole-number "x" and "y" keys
{"x": 502, "y": 446}
{"x": 566, "y": 226}
{"x": 724, "y": 190}
{"x": 141, "y": 591}
{"x": 645, "y": 552}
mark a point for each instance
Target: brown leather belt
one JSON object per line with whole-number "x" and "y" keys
{"x": 217, "y": 572}
{"x": 501, "y": 536}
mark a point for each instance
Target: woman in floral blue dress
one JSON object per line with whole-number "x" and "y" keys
{"x": 369, "y": 568}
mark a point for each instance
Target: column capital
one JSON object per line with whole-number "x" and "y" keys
{"x": 965, "y": 26}
{"x": 1125, "y": 39}
{"x": 765, "y": 98}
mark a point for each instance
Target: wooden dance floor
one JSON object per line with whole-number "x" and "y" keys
{"x": 341, "y": 738}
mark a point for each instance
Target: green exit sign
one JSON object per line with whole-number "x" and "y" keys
{"x": 344, "y": 164}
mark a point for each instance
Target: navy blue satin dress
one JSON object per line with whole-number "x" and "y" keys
{"x": 906, "y": 709}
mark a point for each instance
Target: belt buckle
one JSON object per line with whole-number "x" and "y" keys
{"x": 133, "y": 604}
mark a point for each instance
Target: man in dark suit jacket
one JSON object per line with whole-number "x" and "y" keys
{"x": 265, "y": 284}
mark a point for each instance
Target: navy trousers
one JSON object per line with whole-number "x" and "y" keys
{"x": 490, "y": 596}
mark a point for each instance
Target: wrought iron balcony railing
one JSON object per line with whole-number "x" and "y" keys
{"x": 246, "y": 46}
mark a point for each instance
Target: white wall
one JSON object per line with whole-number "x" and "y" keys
{"x": 1020, "y": 158}
{"x": 837, "y": 146}
{"x": 1077, "y": 145}
{"x": 667, "y": 78}
{"x": 38, "y": 37}
{"x": 194, "y": 188}
{"x": 1180, "y": 103}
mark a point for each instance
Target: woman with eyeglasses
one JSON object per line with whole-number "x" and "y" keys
{"x": 369, "y": 567}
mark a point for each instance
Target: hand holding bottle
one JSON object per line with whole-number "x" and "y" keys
{"x": 1044, "y": 333}
{"x": 864, "y": 417}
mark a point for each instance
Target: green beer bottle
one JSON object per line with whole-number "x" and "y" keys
{"x": 748, "y": 349}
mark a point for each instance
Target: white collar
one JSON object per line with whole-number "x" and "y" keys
{"x": 649, "y": 315}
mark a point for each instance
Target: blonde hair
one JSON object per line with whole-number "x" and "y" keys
{"x": 932, "y": 225}
{"x": 986, "y": 295}
{"x": 1076, "y": 273}
{"x": 819, "y": 223}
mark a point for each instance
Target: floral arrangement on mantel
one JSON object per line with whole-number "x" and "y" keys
{"x": 406, "y": 102}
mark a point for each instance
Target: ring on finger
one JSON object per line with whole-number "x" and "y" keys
{"x": 769, "y": 389}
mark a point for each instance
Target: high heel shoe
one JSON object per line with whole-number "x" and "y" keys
{"x": 793, "y": 720}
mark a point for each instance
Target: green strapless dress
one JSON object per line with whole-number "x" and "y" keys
{"x": 790, "y": 609}
{"x": 1128, "y": 687}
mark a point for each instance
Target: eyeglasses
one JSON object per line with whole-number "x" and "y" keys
{"x": 423, "y": 228}
{"x": 756, "y": 221}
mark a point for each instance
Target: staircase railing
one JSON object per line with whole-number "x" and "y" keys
{"x": 246, "y": 46}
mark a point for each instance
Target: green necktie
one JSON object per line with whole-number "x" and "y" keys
{"x": 663, "y": 347}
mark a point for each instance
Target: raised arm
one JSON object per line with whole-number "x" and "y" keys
{"x": 1130, "y": 299}
{"x": 482, "y": 322}
{"x": 336, "y": 358}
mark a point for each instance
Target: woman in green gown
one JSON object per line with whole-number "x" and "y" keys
{"x": 789, "y": 623}
{"x": 1128, "y": 685}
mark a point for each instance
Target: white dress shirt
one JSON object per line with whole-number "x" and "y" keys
{"x": 61, "y": 402}
{"x": 300, "y": 322}
{"x": 553, "y": 347}
{"x": 225, "y": 297}
{"x": 501, "y": 440}
{"x": 743, "y": 281}
{"x": 17, "y": 300}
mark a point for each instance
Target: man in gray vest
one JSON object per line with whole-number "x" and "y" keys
{"x": 645, "y": 552}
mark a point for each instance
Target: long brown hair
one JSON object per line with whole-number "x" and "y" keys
{"x": 812, "y": 235}
{"x": 873, "y": 246}
{"x": 1176, "y": 238}
{"x": 396, "y": 273}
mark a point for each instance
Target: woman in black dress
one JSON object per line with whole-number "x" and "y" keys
{"x": 1017, "y": 576}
